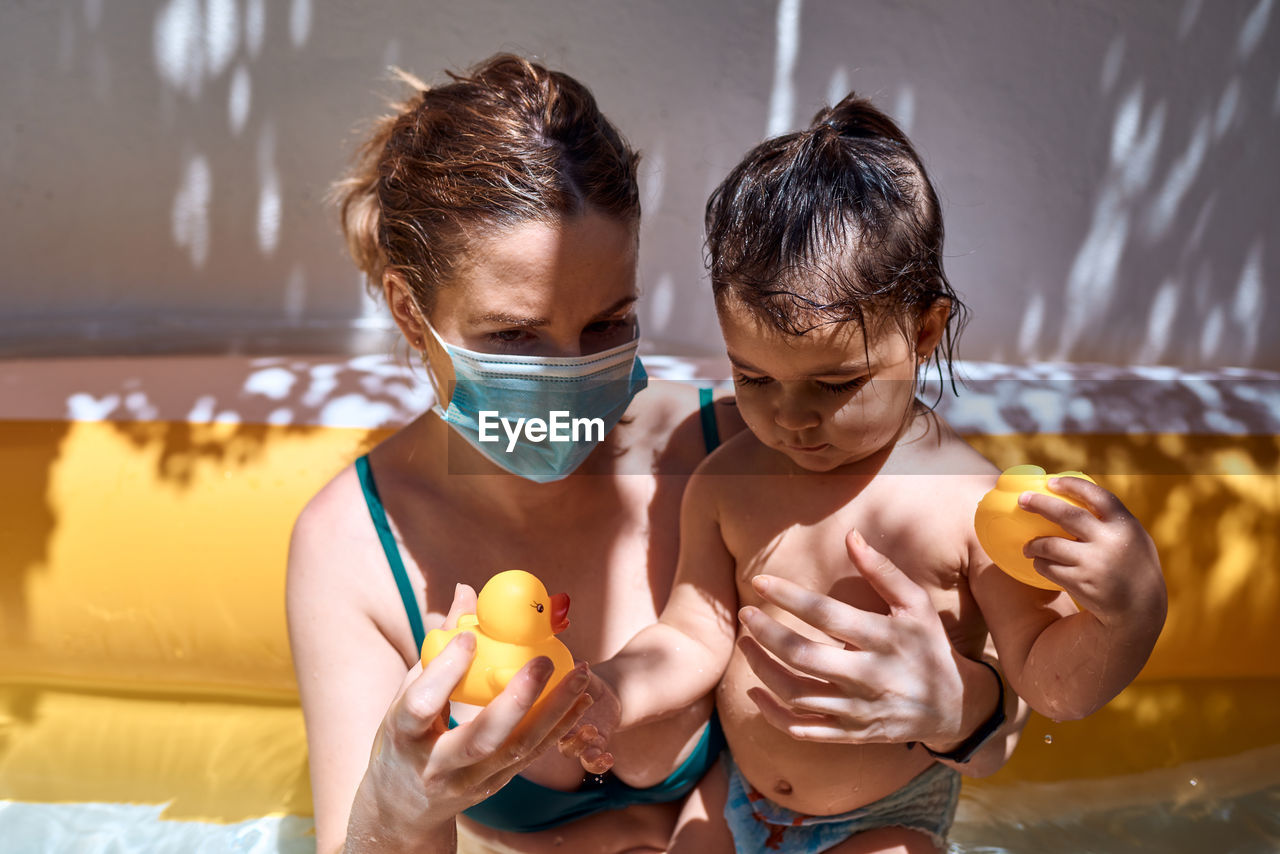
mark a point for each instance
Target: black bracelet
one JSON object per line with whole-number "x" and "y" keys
{"x": 966, "y": 749}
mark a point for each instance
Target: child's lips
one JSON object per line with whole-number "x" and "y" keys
{"x": 808, "y": 449}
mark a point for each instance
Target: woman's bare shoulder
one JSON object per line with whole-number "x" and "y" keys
{"x": 670, "y": 412}
{"x": 331, "y": 518}
{"x": 334, "y": 553}
{"x": 741, "y": 453}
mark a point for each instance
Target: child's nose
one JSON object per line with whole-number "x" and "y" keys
{"x": 794, "y": 413}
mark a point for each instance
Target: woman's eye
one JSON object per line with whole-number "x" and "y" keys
{"x": 604, "y": 327}
{"x": 841, "y": 388}
{"x": 743, "y": 379}
{"x": 508, "y": 336}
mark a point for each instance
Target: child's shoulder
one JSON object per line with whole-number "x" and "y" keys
{"x": 932, "y": 441}
{"x": 958, "y": 471}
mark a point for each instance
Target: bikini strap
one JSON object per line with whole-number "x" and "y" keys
{"x": 380, "y": 524}
{"x": 707, "y": 411}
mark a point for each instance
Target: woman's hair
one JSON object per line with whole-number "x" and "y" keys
{"x": 507, "y": 142}
{"x": 834, "y": 223}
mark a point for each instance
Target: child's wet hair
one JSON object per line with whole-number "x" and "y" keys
{"x": 834, "y": 223}
{"x": 504, "y": 143}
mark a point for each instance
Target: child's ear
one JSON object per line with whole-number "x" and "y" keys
{"x": 932, "y": 324}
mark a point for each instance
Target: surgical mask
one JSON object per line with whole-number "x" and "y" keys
{"x": 538, "y": 416}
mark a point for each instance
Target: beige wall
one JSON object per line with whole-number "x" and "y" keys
{"x": 1107, "y": 170}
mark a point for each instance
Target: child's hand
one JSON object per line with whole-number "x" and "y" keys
{"x": 1111, "y": 569}
{"x": 586, "y": 742}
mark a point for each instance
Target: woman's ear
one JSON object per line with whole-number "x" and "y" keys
{"x": 404, "y": 309}
{"x": 932, "y": 324}
{"x": 408, "y": 317}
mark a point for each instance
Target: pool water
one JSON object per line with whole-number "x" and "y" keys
{"x": 1239, "y": 825}
{"x": 103, "y": 828}
{"x": 1228, "y": 805}
{"x": 1236, "y": 823}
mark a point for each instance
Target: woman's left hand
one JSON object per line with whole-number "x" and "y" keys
{"x": 896, "y": 678}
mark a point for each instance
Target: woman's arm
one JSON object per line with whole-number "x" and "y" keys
{"x": 387, "y": 774}
{"x": 980, "y": 694}
{"x": 899, "y": 679}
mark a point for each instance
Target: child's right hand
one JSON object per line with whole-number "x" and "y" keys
{"x": 588, "y": 739}
{"x": 1111, "y": 569}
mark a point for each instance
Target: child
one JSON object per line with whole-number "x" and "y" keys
{"x": 826, "y": 264}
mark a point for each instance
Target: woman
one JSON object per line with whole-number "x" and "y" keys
{"x": 498, "y": 216}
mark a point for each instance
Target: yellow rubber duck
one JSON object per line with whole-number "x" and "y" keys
{"x": 1003, "y": 527}
{"x": 515, "y": 620}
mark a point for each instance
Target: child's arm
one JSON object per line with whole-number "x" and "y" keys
{"x": 1068, "y": 665}
{"x": 678, "y": 660}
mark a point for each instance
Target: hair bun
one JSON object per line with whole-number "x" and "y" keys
{"x": 857, "y": 117}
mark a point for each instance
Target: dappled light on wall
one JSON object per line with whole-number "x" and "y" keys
{"x": 782, "y": 97}
{"x": 1104, "y": 172}
{"x": 1159, "y": 203}
{"x": 191, "y": 209}
{"x": 195, "y": 44}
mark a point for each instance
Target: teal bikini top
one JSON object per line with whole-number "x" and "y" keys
{"x": 522, "y": 805}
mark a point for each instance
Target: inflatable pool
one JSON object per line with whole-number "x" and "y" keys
{"x": 147, "y": 699}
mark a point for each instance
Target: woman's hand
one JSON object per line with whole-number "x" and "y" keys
{"x": 421, "y": 774}
{"x": 896, "y": 679}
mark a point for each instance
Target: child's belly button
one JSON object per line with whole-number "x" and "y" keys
{"x": 811, "y": 777}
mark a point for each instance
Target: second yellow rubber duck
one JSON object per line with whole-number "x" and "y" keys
{"x": 1003, "y": 527}
{"x": 515, "y": 621}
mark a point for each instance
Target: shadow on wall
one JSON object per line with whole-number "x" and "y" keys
{"x": 1106, "y": 169}
{"x": 167, "y": 198}
{"x": 1169, "y": 199}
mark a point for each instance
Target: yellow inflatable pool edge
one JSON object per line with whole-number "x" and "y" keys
{"x": 210, "y": 760}
{"x": 145, "y": 657}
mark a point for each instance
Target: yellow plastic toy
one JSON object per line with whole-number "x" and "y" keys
{"x": 1003, "y": 527}
{"x": 515, "y": 621}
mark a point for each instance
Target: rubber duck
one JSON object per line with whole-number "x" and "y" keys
{"x": 515, "y": 620}
{"x": 1003, "y": 527}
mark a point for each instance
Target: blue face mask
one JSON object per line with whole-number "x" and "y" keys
{"x": 539, "y": 416}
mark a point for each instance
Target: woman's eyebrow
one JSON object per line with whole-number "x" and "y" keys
{"x": 618, "y": 306}
{"x": 499, "y": 318}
